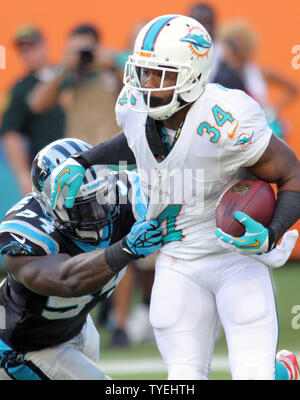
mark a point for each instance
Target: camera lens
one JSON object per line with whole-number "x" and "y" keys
{"x": 86, "y": 56}
{"x": 86, "y": 59}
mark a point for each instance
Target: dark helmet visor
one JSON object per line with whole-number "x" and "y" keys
{"x": 88, "y": 213}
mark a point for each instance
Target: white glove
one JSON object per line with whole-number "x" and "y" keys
{"x": 279, "y": 256}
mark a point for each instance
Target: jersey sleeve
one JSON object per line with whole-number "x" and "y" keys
{"x": 251, "y": 137}
{"x": 17, "y": 245}
{"x": 26, "y": 231}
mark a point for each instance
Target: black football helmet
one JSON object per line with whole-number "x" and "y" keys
{"x": 96, "y": 204}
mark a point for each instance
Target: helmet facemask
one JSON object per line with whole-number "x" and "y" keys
{"x": 132, "y": 80}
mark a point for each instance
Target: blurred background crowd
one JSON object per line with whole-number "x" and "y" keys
{"x": 75, "y": 97}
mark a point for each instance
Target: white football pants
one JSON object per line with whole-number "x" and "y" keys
{"x": 188, "y": 298}
{"x": 76, "y": 359}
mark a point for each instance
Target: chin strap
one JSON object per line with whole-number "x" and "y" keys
{"x": 152, "y": 113}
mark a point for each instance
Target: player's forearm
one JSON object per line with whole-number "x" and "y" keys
{"x": 113, "y": 151}
{"x": 280, "y": 165}
{"x": 65, "y": 276}
{"x": 62, "y": 275}
{"x": 287, "y": 213}
{"x": 85, "y": 274}
{"x": 287, "y": 210}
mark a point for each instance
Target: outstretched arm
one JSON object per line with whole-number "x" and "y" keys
{"x": 71, "y": 172}
{"x": 65, "y": 276}
{"x": 111, "y": 151}
{"x": 61, "y": 275}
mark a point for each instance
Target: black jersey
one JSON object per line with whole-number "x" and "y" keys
{"x": 34, "y": 321}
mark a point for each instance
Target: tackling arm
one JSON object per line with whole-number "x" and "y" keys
{"x": 71, "y": 172}
{"x": 112, "y": 151}
{"x": 65, "y": 276}
{"x": 61, "y": 275}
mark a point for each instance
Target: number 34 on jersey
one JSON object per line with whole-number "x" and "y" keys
{"x": 221, "y": 117}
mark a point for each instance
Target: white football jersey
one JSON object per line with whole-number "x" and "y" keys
{"x": 224, "y": 131}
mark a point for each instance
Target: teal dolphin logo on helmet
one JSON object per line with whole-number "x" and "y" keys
{"x": 197, "y": 41}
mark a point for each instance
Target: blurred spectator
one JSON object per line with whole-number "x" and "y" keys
{"x": 221, "y": 72}
{"x": 85, "y": 85}
{"x": 23, "y": 132}
{"x": 240, "y": 44}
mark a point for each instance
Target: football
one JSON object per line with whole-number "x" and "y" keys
{"x": 255, "y": 198}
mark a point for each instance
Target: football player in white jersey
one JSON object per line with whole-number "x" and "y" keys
{"x": 190, "y": 141}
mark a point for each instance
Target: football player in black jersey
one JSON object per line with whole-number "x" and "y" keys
{"x": 60, "y": 263}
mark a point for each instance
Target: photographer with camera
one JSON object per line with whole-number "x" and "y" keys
{"x": 85, "y": 86}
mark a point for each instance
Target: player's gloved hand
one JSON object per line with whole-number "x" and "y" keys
{"x": 278, "y": 257}
{"x": 69, "y": 173}
{"x": 144, "y": 238}
{"x": 255, "y": 240}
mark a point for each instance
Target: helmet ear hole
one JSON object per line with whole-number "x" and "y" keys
{"x": 195, "y": 80}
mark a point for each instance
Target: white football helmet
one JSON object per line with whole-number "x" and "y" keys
{"x": 170, "y": 43}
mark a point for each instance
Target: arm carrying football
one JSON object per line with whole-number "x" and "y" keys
{"x": 280, "y": 165}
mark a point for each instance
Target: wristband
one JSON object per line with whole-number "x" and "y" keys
{"x": 287, "y": 213}
{"x": 272, "y": 241}
{"x": 117, "y": 256}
